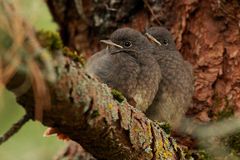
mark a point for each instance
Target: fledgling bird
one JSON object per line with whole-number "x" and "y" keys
{"x": 176, "y": 87}
{"x": 128, "y": 65}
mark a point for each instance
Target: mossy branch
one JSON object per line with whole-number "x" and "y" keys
{"x": 85, "y": 110}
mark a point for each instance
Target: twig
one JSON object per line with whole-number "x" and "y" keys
{"x": 14, "y": 129}
{"x": 152, "y": 12}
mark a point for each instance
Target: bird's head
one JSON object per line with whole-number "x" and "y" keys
{"x": 161, "y": 37}
{"x": 127, "y": 40}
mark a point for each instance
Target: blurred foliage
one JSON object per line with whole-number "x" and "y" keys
{"x": 50, "y": 40}
{"x": 28, "y": 143}
{"x": 197, "y": 154}
{"x": 37, "y": 13}
{"x": 5, "y": 40}
{"x": 233, "y": 143}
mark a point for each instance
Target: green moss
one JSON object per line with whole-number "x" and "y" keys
{"x": 226, "y": 113}
{"x": 95, "y": 114}
{"x": 117, "y": 95}
{"x": 197, "y": 155}
{"x": 228, "y": 110}
{"x": 73, "y": 55}
{"x": 50, "y": 40}
{"x": 233, "y": 143}
{"x": 166, "y": 127}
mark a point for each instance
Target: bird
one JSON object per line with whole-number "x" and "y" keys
{"x": 176, "y": 87}
{"x": 127, "y": 64}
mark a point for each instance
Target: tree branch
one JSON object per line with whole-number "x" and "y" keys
{"x": 83, "y": 109}
{"x": 14, "y": 129}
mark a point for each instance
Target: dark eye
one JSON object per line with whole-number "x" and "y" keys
{"x": 165, "y": 42}
{"x": 127, "y": 44}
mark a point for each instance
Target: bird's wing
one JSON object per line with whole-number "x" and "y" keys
{"x": 124, "y": 74}
{"x": 147, "y": 81}
{"x": 176, "y": 88}
{"x": 101, "y": 65}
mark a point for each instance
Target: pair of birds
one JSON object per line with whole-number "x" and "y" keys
{"x": 148, "y": 70}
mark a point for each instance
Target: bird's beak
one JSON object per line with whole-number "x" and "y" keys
{"x": 109, "y": 42}
{"x": 151, "y": 38}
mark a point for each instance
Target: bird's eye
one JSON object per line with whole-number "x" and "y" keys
{"x": 127, "y": 44}
{"x": 165, "y": 42}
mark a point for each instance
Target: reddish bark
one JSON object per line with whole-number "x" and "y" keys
{"x": 206, "y": 33}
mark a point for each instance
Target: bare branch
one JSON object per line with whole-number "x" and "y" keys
{"x": 14, "y": 129}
